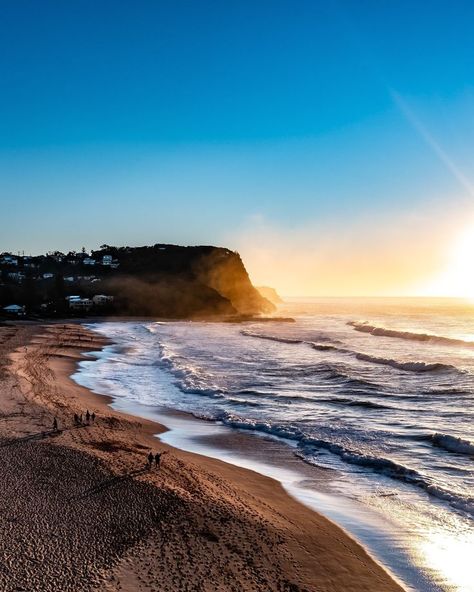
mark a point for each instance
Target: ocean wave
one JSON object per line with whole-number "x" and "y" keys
{"x": 452, "y": 443}
{"x": 407, "y": 366}
{"x": 189, "y": 379}
{"x": 327, "y": 347}
{"x": 203, "y": 392}
{"x": 445, "y": 391}
{"x": 391, "y": 469}
{"x": 365, "y": 327}
{"x": 357, "y": 385}
{"x": 242, "y": 402}
{"x": 282, "y": 431}
{"x": 307, "y": 445}
{"x": 399, "y": 365}
{"x": 353, "y": 403}
{"x": 271, "y": 337}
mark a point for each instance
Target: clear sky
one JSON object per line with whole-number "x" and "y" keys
{"x": 330, "y": 142}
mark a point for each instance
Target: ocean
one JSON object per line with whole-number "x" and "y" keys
{"x": 376, "y": 394}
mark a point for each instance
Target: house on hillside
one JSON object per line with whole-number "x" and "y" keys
{"x": 107, "y": 260}
{"x": 102, "y": 299}
{"x": 89, "y": 261}
{"x": 16, "y": 276}
{"x": 9, "y": 260}
{"x": 78, "y": 303}
{"x": 14, "y": 310}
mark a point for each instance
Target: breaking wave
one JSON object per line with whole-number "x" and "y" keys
{"x": 404, "y": 366}
{"x": 407, "y": 366}
{"x": 385, "y": 466}
{"x": 452, "y": 443}
{"x": 365, "y": 327}
{"x": 393, "y": 470}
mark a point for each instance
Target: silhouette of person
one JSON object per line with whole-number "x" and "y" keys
{"x": 55, "y": 424}
{"x": 76, "y": 418}
{"x": 158, "y": 459}
{"x": 150, "y": 459}
{"x": 88, "y": 416}
{"x": 93, "y": 416}
{"x": 80, "y": 418}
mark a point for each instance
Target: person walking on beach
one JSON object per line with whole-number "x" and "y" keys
{"x": 76, "y": 419}
{"x": 55, "y": 424}
{"x": 158, "y": 456}
{"x": 150, "y": 459}
{"x": 88, "y": 416}
{"x": 93, "y": 416}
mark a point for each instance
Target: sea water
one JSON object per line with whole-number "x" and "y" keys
{"x": 377, "y": 392}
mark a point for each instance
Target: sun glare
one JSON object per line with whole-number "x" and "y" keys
{"x": 452, "y": 553}
{"x": 456, "y": 279}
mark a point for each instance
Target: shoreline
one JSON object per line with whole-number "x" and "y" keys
{"x": 282, "y": 544}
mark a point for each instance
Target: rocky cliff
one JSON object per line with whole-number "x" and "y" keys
{"x": 174, "y": 281}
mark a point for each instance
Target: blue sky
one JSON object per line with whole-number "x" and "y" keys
{"x": 147, "y": 121}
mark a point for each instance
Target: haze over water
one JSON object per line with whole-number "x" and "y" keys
{"x": 377, "y": 391}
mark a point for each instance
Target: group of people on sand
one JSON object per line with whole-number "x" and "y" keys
{"x": 156, "y": 458}
{"x": 89, "y": 418}
{"x": 78, "y": 419}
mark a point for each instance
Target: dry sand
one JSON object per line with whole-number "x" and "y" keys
{"x": 79, "y": 510}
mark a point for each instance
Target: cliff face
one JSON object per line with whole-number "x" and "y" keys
{"x": 224, "y": 271}
{"x": 270, "y": 294}
{"x": 174, "y": 281}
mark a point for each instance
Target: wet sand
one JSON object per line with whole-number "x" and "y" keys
{"x": 80, "y": 511}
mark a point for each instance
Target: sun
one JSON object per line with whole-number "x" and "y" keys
{"x": 457, "y": 278}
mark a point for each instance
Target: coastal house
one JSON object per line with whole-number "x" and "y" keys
{"x": 102, "y": 299}
{"x": 16, "y": 276}
{"x": 107, "y": 260}
{"x": 9, "y": 260}
{"x": 78, "y": 303}
{"x": 14, "y": 309}
{"x": 89, "y": 261}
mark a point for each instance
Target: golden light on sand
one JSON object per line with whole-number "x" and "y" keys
{"x": 457, "y": 279}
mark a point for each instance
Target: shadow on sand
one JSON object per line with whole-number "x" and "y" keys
{"x": 38, "y": 436}
{"x": 110, "y": 483}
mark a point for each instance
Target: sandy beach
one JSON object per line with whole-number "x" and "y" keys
{"x": 79, "y": 510}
